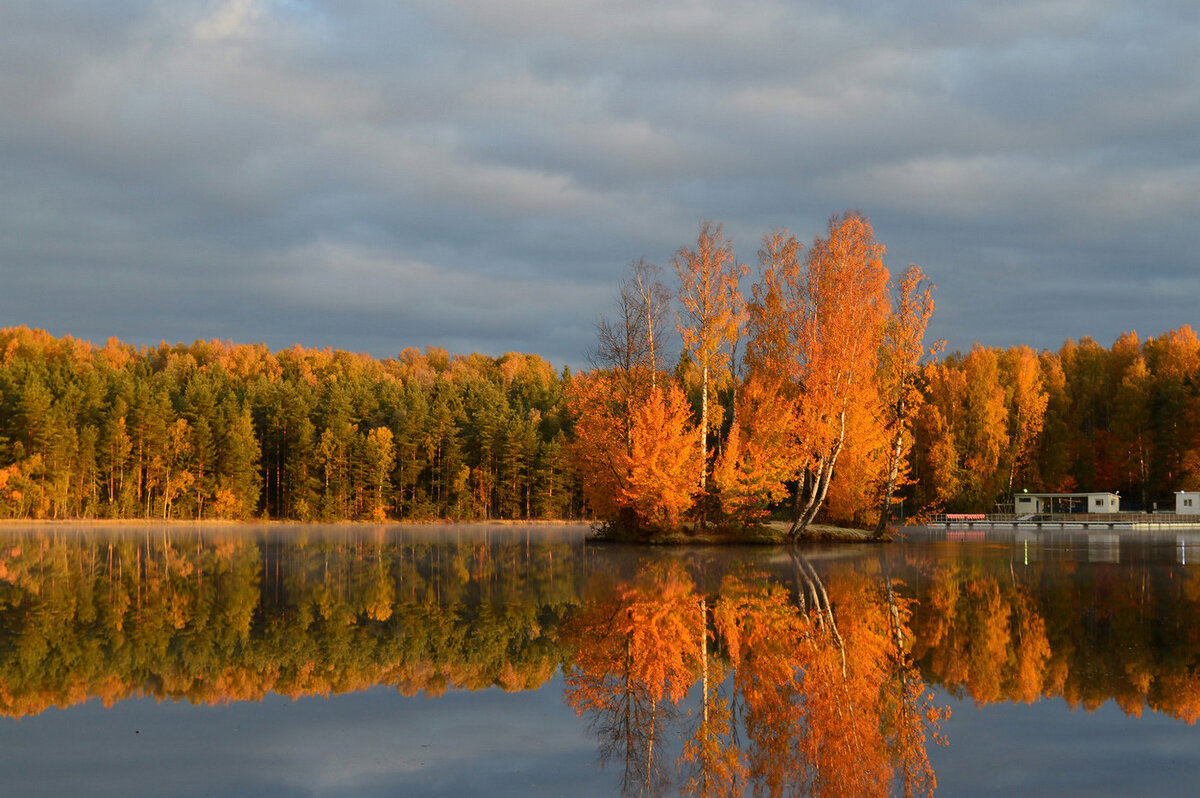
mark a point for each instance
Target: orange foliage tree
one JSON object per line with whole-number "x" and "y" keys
{"x": 600, "y": 447}
{"x": 820, "y": 327}
{"x": 964, "y": 430}
{"x": 1027, "y": 408}
{"x": 855, "y": 488}
{"x": 759, "y": 454}
{"x": 1131, "y": 416}
{"x": 899, "y": 369}
{"x": 636, "y": 460}
{"x": 661, "y": 462}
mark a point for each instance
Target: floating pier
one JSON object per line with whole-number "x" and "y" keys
{"x": 1149, "y": 522}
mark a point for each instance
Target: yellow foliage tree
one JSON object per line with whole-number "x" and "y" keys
{"x": 819, "y": 328}
{"x": 712, "y": 312}
{"x": 759, "y": 454}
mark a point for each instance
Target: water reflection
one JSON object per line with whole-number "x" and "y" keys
{"x": 724, "y": 671}
{"x": 1060, "y": 620}
{"x": 826, "y": 700}
{"x": 218, "y": 616}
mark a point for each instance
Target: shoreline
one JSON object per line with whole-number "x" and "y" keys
{"x": 281, "y": 522}
{"x": 769, "y": 534}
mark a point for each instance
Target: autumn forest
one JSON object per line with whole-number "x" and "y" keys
{"x": 801, "y": 390}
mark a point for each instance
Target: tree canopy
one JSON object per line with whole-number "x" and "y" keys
{"x": 217, "y": 430}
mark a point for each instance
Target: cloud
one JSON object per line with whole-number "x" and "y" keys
{"x": 294, "y": 170}
{"x": 234, "y": 19}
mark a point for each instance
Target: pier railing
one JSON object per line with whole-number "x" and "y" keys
{"x": 1097, "y": 519}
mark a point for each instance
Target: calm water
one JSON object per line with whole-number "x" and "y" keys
{"x": 512, "y": 660}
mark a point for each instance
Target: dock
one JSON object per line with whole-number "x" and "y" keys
{"x": 1148, "y": 522}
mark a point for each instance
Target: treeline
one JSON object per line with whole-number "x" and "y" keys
{"x": 1085, "y": 418}
{"x": 812, "y": 394}
{"x": 215, "y": 430}
{"x": 808, "y": 394}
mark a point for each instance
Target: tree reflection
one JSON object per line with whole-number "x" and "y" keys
{"x": 636, "y": 656}
{"x": 788, "y": 676}
{"x": 822, "y": 711}
{"x": 1121, "y": 632}
{"x": 217, "y": 617}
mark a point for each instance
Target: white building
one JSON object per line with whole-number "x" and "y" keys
{"x": 1103, "y": 502}
{"x": 1187, "y": 502}
{"x": 1027, "y": 503}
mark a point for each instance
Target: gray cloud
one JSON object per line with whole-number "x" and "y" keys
{"x": 475, "y": 175}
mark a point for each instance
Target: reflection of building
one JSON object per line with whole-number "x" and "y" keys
{"x": 1104, "y": 548}
{"x": 1029, "y": 503}
{"x": 1187, "y": 502}
{"x": 1187, "y": 547}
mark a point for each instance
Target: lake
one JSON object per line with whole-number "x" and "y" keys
{"x": 282, "y": 660}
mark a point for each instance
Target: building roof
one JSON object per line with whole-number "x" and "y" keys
{"x": 1068, "y": 495}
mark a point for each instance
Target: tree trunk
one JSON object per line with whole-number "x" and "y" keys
{"x": 889, "y": 487}
{"x": 704, "y": 431}
{"x": 815, "y": 484}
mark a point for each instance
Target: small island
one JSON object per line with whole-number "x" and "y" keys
{"x": 772, "y": 533}
{"x": 810, "y": 374}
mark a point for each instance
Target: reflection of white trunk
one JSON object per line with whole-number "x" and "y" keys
{"x": 648, "y": 785}
{"x": 894, "y": 610}
{"x": 704, "y": 657}
{"x": 809, "y": 581}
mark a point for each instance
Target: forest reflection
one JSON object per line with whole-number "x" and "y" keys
{"x": 722, "y": 671}
{"x": 1086, "y": 632}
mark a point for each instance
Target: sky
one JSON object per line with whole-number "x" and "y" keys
{"x": 478, "y": 175}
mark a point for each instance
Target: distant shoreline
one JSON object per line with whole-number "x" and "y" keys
{"x": 283, "y": 522}
{"x": 770, "y": 534}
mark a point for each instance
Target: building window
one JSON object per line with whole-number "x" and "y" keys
{"x": 1187, "y": 502}
{"x": 1099, "y": 502}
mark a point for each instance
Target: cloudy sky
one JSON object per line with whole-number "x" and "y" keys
{"x": 476, "y": 175}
